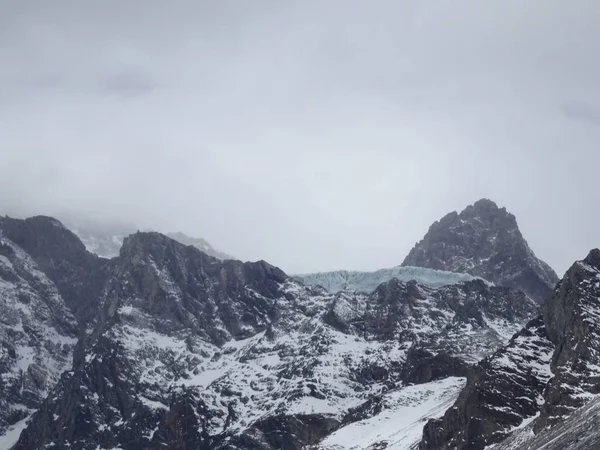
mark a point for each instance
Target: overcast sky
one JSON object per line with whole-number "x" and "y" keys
{"x": 314, "y": 134}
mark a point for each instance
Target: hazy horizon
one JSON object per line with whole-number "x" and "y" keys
{"x": 314, "y": 135}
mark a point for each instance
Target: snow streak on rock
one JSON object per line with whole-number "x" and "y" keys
{"x": 37, "y": 336}
{"x": 504, "y": 390}
{"x": 399, "y": 424}
{"x": 543, "y": 376}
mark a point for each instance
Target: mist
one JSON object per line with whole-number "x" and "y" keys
{"x": 314, "y": 135}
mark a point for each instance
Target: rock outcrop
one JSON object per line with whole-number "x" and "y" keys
{"x": 572, "y": 319}
{"x": 484, "y": 241}
{"x": 38, "y": 334}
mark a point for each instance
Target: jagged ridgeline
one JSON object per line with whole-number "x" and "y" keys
{"x": 164, "y": 346}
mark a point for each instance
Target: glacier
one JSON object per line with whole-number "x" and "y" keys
{"x": 341, "y": 280}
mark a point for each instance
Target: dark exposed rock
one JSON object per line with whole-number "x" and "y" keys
{"x": 572, "y": 318}
{"x": 422, "y": 366}
{"x": 485, "y": 241}
{"x": 37, "y": 334}
{"x": 60, "y": 254}
{"x": 403, "y": 310}
{"x": 284, "y": 433}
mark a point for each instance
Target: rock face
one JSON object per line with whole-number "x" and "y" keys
{"x": 544, "y": 374}
{"x": 177, "y": 349}
{"x": 484, "y": 241}
{"x": 504, "y": 390}
{"x": 37, "y": 335}
{"x": 78, "y": 274}
{"x": 573, "y": 322}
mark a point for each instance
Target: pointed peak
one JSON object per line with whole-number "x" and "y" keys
{"x": 491, "y": 215}
{"x": 593, "y": 258}
{"x": 485, "y": 204}
{"x": 484, "y": 240}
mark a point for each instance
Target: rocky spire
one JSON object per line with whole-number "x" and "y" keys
{"x": 484, "y": 240}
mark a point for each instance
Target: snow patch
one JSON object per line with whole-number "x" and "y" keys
{"x": 400, "y": 425}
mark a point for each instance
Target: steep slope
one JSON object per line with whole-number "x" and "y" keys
{"x": 484, "y": 241}
{"x": 340, "y": 280}
{"x": 37, "y": 336}
{"x": 397, "y": 425}
{"x": 504, "y": 391}
{"x": 580, "y": 431}
{"x": 181, "y": 350}
{"x": 77, "y": 274}
{"x": 546, "y": 372}
{"x": 572, "y": 319}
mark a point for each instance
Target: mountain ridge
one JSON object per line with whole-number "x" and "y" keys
{"x": 171, "y": 347}
{"x": 177, "y": 339}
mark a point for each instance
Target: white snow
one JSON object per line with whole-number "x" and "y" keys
{"x": 11, "y": 437}
{"x": 400, "y": 425}
{"x": 126, "y": 310}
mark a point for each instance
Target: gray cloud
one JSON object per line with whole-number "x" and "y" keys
{"x": 316, "y": 135}
{"x": 582, "y": 111}
{"x": 126, "y": 83}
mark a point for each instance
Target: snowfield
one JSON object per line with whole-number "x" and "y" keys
{"x": 400, "y": 425}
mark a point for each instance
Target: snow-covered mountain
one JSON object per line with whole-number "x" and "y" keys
{"x": 106, "y": 238}
{"x": 177, "y": 349}
{"x": 164, "y": 346}
{"x": 484, "y": 241}
{"x": 340, "y": 280}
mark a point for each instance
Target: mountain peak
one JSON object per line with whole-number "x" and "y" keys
{"x": 159, "y": 247}
{"x": 485, "y": 203}
{"x": 484, "y": 240}
{"x": 593, "y": 258}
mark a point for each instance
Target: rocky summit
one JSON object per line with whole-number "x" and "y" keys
{"x": 484, "y": 241}
{"x": 165, "y": 346}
